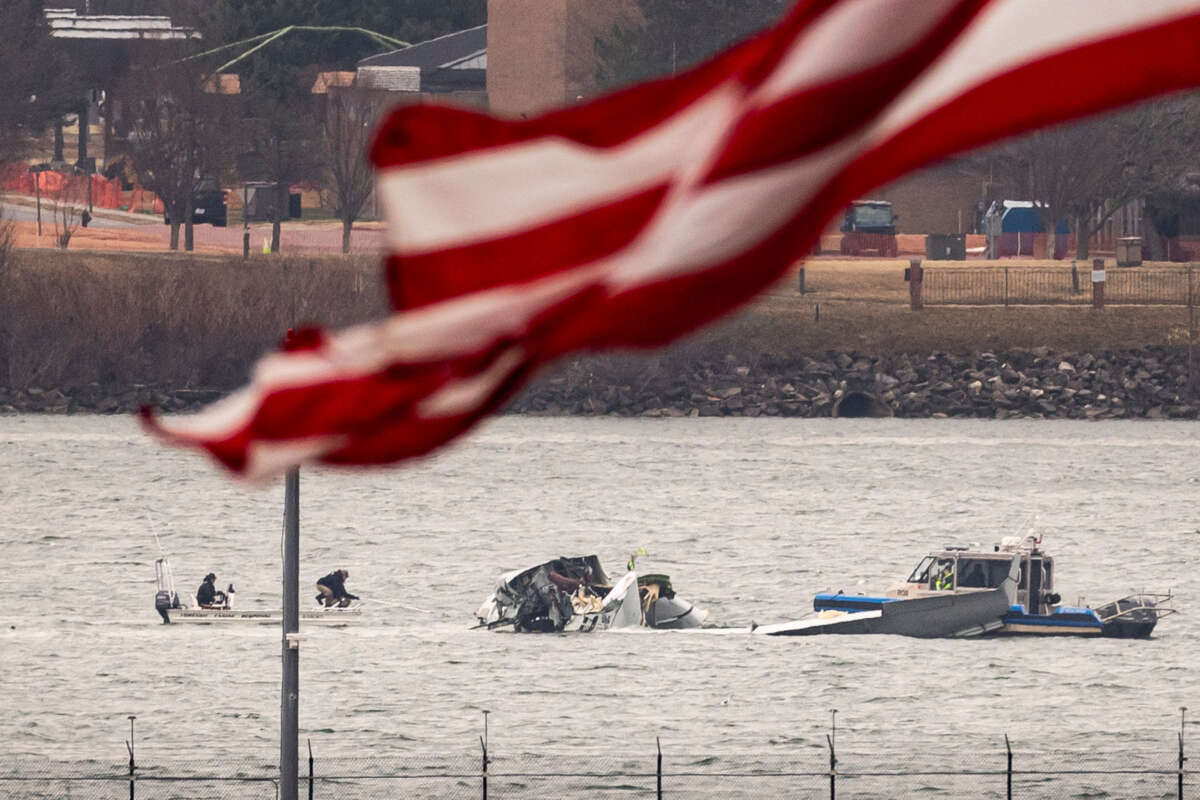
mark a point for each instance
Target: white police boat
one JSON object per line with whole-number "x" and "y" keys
{"x": 168, "y": 605}
{"x": 960, "y": 577}
{"x": 574, "y": 593}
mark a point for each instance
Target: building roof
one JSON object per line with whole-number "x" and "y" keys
{"x": 67, "y": 23}
{"x": 466, "y": 49}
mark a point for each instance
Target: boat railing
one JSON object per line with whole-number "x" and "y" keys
{"x": 1153, "y": 602}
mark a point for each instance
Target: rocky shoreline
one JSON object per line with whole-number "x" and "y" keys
{"x": 1148, "y": 383}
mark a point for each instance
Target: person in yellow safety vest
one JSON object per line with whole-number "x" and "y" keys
{"x": 945, "y": 578}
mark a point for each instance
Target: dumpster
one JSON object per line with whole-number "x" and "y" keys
{"x": 1129, "y": 251}
{"x": 946, "y": 246}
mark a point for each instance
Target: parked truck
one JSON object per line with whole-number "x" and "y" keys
{"x": 869, "y": 227}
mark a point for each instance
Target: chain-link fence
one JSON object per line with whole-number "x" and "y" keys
{"x": 1056, "y": 285}
{"x": 1025, "y": 773}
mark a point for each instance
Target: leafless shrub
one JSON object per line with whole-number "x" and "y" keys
{"x": 67, "y": 207}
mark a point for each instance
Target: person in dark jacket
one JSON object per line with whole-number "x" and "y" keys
{"x": 207, "y": 595}
{"x": 332, "y": 589}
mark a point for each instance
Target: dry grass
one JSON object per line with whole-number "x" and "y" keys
{"x": 863, "y": 305}
{"x": 184, "y": 320}
{"x": 78, "y": 318}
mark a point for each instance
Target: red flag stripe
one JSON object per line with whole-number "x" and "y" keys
{"x": 426, "y": 205}
{"x": 419, "y": 280}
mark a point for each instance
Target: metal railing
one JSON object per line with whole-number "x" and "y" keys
{"x": 1056, "y": 286}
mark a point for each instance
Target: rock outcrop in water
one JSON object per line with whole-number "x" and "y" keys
{"x": 1040, "y": 383}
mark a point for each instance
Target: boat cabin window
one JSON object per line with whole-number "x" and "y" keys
{"x": 982, "y": 573}
{"x": 972, "y": 573}
{"x": 921, "y": 573}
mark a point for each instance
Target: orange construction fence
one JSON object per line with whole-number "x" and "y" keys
{"x": 106, "y": 192}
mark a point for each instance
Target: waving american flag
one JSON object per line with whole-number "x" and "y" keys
{"x": 632, "y": 219}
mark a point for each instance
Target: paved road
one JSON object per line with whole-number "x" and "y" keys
{"x": 297, "y": 237}
{"x": 23, "y": 213}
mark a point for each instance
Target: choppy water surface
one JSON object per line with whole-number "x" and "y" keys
{"x": 749, "y": 517}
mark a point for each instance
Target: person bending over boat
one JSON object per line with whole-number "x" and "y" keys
{"x": 208, "y": 596}
{"x": 332, "y": 589}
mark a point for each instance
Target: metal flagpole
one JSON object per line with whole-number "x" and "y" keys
{"x": 289, "y": 700}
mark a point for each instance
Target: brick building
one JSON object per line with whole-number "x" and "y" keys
{"x": 540, "y": 52}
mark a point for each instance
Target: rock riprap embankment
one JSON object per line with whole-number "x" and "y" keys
{"x": 1151, "y": 383}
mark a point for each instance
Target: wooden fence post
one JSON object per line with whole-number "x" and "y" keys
{"x": 916, "y": 278}
{"x": 800, "y": 280}
{"x": 1098, "y": 283}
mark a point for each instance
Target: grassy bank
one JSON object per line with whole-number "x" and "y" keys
{"x": 74, "y": 318}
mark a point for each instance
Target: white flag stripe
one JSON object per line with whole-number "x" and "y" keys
{"x": 220, "y": 419}
{"x": 850, "y": 38}
{"x": 480, "y": 196}
{"x": 1002, "y": 39}
{"x": 265, "y": 460}
{"x": 705, "y": 228}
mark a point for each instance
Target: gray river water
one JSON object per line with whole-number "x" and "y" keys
{"x": 750, "y": 517}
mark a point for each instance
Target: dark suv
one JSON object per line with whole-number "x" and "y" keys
{"x": 208, "y": 204}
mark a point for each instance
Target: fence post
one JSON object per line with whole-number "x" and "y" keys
{"x": 483, "y": 742}
{"x": 310, "y": 770}
{"x": 1006, "y": 285}
{"x": 800, "y": 280}
{"x": 832, "y": 769}
{"x": 1193, "y": 374}
{"x": 1182, "y": 718}
{"x": 1098, "y": 283}
{"x": 1008, "y": 747}
{"x": 916, "y": 277}
{"x": 658, "y": 741}
{"x": 1074, "y": 278}
{"x": 483, "y": 746}
{"x": 129, "y": 747}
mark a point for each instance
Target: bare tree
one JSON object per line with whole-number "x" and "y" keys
{"x": 281, "y": 140}
{"x": 68, "y": 208}
{"x": 346, "y": 131}
{"x": 1087, "y": 171}
{"x": 174, "y": 135}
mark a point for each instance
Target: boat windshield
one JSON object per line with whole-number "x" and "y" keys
{"x": 921, "y": 573}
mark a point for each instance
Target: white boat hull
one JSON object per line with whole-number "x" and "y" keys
{"x": 331, "y": 616}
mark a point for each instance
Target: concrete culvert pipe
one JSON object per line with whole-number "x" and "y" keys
{"x": 861, "y": 404}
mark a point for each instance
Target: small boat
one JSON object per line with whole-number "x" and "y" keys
{"x": 575, "y": 594}
{"x": 169, "y": 607}
{"x": 958, "y": 575}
